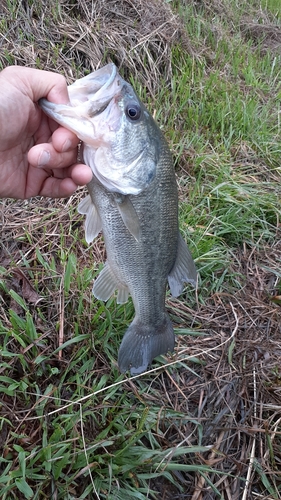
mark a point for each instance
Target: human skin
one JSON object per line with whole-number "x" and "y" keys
{"x": 37, "y": 157}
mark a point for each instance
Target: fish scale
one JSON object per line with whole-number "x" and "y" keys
{"x": 133, "y": 200}
{"x": 143, "y": 266}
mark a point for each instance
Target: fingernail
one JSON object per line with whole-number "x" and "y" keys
{"x": 44, "y": 158}
{"x": 67, "y": 146}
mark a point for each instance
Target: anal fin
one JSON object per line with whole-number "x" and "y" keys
{"x": 106, "y": 284}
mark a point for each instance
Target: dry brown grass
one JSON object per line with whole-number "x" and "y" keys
{"x": 81, "y": 36}
{"x": 234, "y": 391}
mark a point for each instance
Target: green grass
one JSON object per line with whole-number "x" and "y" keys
{"x": 70, "y": 425}
{"x": 79, "y": 426}
{"x": 85, "y": 405}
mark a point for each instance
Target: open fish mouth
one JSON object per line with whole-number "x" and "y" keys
{"x": 89, "y": 97}
{"x": 103, "y": 110}
{"x": 95, "y": 87}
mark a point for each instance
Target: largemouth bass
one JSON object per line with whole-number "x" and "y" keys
{"x": 133, "y": 200}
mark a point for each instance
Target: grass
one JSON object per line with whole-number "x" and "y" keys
{"x": 204, "y": 423}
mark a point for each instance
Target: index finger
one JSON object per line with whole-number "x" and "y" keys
{"x": 64, "y": 140}
{"x": 39, "y": 83}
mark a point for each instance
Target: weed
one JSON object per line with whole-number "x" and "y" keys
{"x": 70, "y": 425}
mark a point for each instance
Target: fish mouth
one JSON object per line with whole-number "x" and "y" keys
{"x": 97, "y": 87}
{"x": 89, "y": 98}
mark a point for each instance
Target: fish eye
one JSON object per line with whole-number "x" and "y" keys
{"x": 133, "y": 111}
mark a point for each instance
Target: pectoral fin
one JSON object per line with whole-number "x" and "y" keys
{"x": 128, "y": 214}
{"x": 184, "y": 269}
{"x": 93, "y": 224}
{"x": 106, "y": 284}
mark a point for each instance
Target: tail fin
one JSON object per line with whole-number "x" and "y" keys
{"x": 142, "y": 343}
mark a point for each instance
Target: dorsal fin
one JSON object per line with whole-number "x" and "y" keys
{"x": 93, "y": 224}
{"x": 184, "y": 270}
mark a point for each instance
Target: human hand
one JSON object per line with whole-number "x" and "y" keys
{"x": 37, "y": 157}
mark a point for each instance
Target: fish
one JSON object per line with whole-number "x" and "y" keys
{"x": 133, "y": 200}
